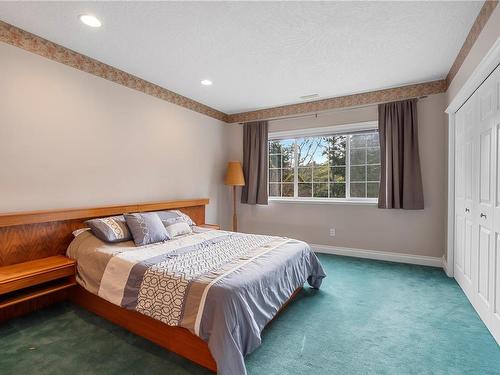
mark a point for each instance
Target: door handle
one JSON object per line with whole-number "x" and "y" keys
{"x": 466, "y": 209}
{"x": 482, "y": 215}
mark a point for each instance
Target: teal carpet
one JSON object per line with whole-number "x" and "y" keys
{"x": 369, "y": 317}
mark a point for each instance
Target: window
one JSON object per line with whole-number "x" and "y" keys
{"x": 332, "y": 166}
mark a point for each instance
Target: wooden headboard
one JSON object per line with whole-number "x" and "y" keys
{"x": 32, "y": 235}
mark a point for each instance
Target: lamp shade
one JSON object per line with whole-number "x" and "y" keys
{"x": 234, "y": 174}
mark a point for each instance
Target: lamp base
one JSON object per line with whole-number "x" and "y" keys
{"x": 235, "y": 219}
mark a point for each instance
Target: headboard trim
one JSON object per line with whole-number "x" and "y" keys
{"x": 32, "y": 217}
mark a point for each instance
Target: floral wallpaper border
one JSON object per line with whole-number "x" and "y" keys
{"x": 481, "y": 19}
{"x": 35, "y": 44}
{"x": 373, "y": 97}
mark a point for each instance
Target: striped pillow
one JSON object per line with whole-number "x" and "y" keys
{"x": 110, "y": 229}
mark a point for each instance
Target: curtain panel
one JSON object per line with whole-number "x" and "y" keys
{"x": 400, "y": 176}
{"x": 255, "y": 163}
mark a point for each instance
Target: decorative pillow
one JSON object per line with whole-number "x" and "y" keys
{"x": 174, "y": 216}
{"x": 146, "y": 228}
{"x": 110, "y": 229}
{"x": 188, "y": 220}
{"x": 178, "y": 229}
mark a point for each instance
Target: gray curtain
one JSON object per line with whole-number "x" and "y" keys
{"x": 400, "y": 177}
{"x": 255, "y": 162}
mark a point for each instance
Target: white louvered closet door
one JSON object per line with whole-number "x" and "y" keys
{"x": 477, "y": 201}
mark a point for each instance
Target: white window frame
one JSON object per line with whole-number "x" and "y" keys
{"x": 325, "y": 131}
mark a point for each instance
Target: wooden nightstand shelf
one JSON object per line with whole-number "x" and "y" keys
{"x": 210, "y": 226}
{"x": 26, "y": 281}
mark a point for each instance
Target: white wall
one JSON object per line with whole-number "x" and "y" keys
{"x": 71, "y": 139}
{"x": 364, "y": 227}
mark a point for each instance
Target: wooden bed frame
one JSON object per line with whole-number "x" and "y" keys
{"x": 34, "y": 235}
{"x": 175, "y": 339}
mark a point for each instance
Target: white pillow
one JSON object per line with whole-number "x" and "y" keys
{"x": 80, "y": 231}
{"x": 178, "y": 229}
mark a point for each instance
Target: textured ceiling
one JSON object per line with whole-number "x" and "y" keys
{"x": 260, "y": 54}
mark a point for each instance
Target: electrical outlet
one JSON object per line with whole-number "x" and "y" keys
{"x": 332, "y": 232}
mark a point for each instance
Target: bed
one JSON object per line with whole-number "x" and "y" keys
{"x": 206, "y": 296}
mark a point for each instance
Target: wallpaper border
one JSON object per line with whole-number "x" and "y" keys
{"x": 23, "y": 39}
{"x": 481, "y": 20}
{"x": 372, "y": 97}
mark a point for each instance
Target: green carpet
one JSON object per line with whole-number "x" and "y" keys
{"x": 369, "y": 317}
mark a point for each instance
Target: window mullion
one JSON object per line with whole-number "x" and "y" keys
{"x": 328, "y": 164}
{"x": 295, "y": 169}
{"x": 348, "y": 168}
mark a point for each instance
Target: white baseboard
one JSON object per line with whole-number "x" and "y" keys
{"x": 379, "y": 255}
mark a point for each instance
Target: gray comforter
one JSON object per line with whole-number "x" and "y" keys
{"x": 222, "y": 286}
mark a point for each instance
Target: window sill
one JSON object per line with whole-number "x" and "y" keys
{"x": 354, "y": 202}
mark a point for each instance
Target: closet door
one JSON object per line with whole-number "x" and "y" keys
{"x": 494, "y": 323}
{"x": 487, "y": 237}
{"x": 465, "y": 193}
{"x": 477, "y": 201}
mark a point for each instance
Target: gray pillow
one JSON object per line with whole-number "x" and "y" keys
{"x": 110, "y": 229}
{"x": 146, "y": 228}
{"x": 174, "y": 216}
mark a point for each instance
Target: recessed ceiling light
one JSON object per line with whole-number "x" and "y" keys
{"x": 90, "y": 20}
{"x": 206, "y": 82}
{"x": 310, "y": 96}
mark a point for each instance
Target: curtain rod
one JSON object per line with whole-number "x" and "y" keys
{"x": 331, "y": 110}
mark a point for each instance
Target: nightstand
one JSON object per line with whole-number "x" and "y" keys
{"x": 29, "y": 280}
{"x": 210, "y": 226}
